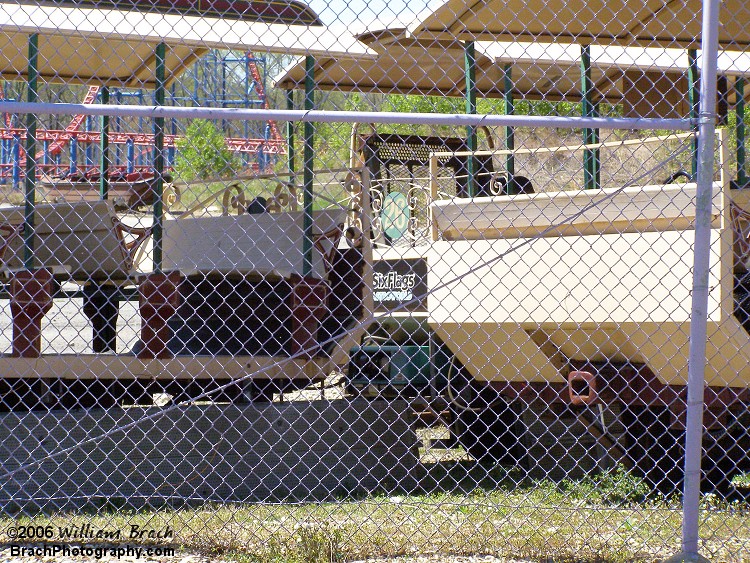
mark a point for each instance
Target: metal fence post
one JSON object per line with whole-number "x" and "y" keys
{"x": 699, "y": 310}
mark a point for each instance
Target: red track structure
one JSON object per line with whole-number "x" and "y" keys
{"x": 58, "y": 139}
{"x": 258, "y": 81}
{"x": 272, "y": 146}
{"x": 57, "y": 146}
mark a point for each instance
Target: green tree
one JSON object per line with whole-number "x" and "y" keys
{"x": 203, "y": 153}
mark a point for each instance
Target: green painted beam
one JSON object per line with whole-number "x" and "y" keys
{"x": 159, "y": 92}
{"x": 590, "y": 135}
{"x": 307, "y": 172}
{"x": 470, "y": 70}
{"x": 694, "y": 102}
{"x": 739, "y": 109}
{"x": 104, "y": 146}
{"x": 509, "y": 132}
{"x": 30, "y": 180}
{"x": 290, "y": 134}
{"x": 722, "y": 103}
{"x": 597, "y": 153}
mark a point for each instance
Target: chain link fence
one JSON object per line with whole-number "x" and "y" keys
{"x": 346, "y": 280}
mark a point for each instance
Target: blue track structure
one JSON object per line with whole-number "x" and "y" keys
{"x": 218, "y": 79}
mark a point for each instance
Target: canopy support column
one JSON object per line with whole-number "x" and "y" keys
{"x": 591, "y": 177}
{"x": 104, "y": 145}
{"x": 470, "y": 69}
{"x": 30, "y": 179}
{"x": 510, "y": 141}
{"x": 159, "y": 92}
{"x": 693, "y": 102}
{"x": 159, "y": 294}
{"x": 308, "y": 156}
{"x": 739, "y": 109}
{"x": 722, "y": 103}
{"x": 30, "y": 289}
{"x": 290, "y": 135}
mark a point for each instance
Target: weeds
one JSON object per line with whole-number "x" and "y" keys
{"x": 310, "y": 544}
{"x": 320, "y": 545}
{"x": 612, "y": 517}
{"x": 741, "y": 481}
{"x": 613, "y": 487}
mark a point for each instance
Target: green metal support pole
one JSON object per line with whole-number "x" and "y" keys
{"x": 307, "y": 179}
{"x": 159, "y": 92}
{"x": 470, "y": 69}
{"x": 722, "y": 105}
{"x": 510, "y": 141}
{"x": 597, "y": 153}
{"x": 739, "y": 109}
{"x": 30, "y": 180}
{"x": 104, "y": 146}
{"x": 290, "y": 135}
{"x": 590, "y": 136}
{"x": 693, "y": 101}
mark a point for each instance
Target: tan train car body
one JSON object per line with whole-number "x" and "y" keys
{"x": 522, "y": 287}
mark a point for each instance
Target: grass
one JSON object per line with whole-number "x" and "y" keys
{"x": 611, "y": 517}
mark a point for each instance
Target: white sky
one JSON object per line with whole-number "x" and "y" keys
{"x": 356, "y": 13}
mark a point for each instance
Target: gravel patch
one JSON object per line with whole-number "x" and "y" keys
{"x": 436, "y": 558}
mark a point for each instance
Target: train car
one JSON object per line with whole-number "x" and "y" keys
{"x": 578, "y": 302}
{"x": 269, "y": 293}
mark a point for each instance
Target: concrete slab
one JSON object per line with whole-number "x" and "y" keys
{"x": 302, "y": 450}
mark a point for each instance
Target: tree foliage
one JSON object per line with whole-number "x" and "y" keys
{"x": 203, "y": 153}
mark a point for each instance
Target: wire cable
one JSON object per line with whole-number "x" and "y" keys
{"x": 318, "y": 347}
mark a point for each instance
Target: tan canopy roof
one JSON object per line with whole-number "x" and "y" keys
{"x": 649, "y": 82}
{"x": 269, "y": 11}
{"x": 116, "y": 47}
{"x": 405, "y": 64}
{"x": 399, "y": 64}
{"x": 646, "y": 23}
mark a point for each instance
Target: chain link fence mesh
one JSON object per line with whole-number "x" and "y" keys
{"x": 370, "y": 331}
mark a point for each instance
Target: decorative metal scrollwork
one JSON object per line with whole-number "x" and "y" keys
{"x": 285, "y": 198}
{"x": 353, "y": 233}
{"x": 237, "y": 201}
{"x": 172, "y": 195}
{"x": 377, "y": 198}
{"x": 418, "y": 198}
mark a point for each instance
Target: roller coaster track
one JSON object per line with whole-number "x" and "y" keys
{"x": 273, "y": 146}
{"x": 58, "y": 139}
{"x": 75, "y": 124}
{"x": 258, "y": 81}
